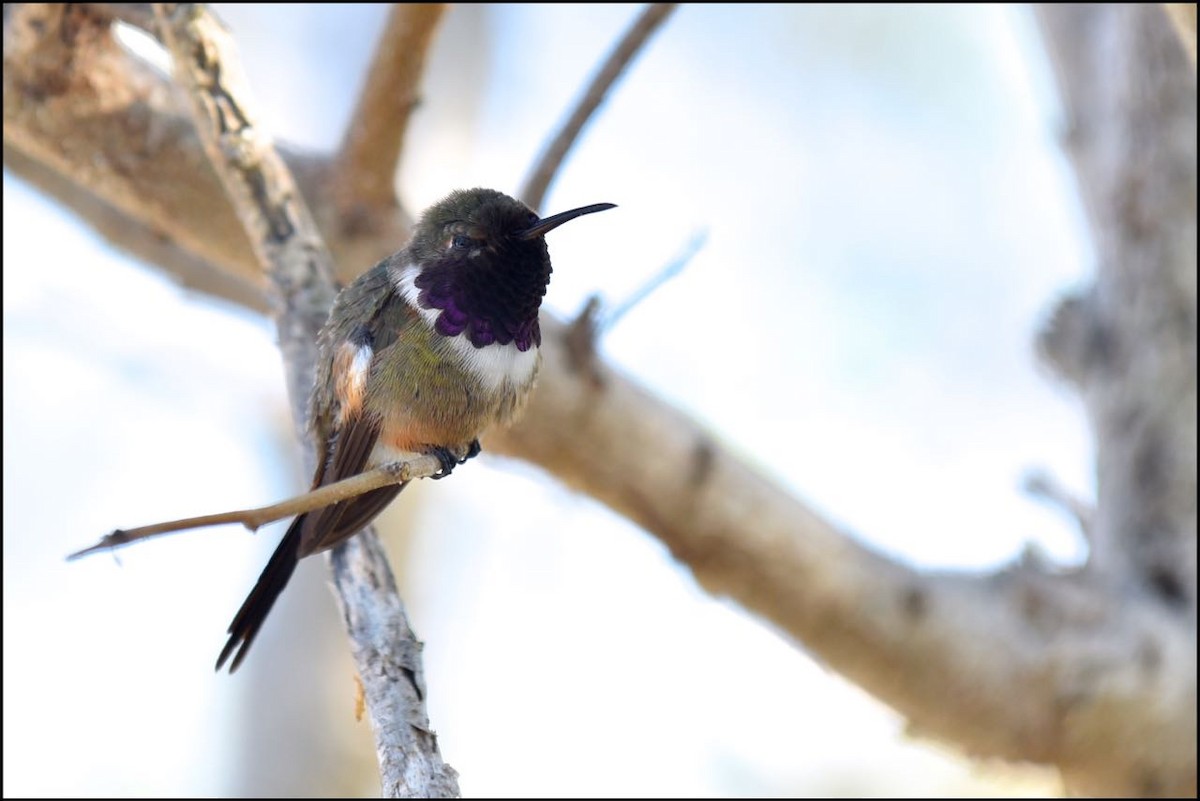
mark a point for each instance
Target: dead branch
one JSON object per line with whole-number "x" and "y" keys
{"x": 1061, "y": 668}
{"x": 286, "y": 242}
{"x": 551, "y": 159}
{"x": 255, "y": 518}
{"x": 370, "y": 153}
{"x": 1129, "y": 342}
{"x": 1183, "y": 18}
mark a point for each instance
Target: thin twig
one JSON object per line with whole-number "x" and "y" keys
{"x": 672, "y": 269}
{"x": 370, "y": 151}
{"x": 590, "y": 323}
{"x": 253, "y": 519}
{"x": 1043, "y": 486}
{"x": 546, "y": 167}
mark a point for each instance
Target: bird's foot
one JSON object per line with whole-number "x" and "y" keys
{"x": 450, "y": 460}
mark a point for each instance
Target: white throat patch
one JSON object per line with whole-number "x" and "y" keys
{"x": 494, "y": 365}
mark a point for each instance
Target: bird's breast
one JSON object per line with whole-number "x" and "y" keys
{"x": 428, "y": 389}
{"x": 496, "y": 366}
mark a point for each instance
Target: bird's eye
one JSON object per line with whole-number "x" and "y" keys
{"x": 462, "y": 242}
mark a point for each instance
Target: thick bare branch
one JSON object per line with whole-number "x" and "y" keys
{"x": 137, "y": 238}
{"x": 73, "y": 105}
{"x": 286, "y": 241}
{"x": 281, "y": 232}
{"x": 137, "y": 15}
{"x": 547, "y": 165}
{"x": 1183, "y": 17}
{"x": 1016, "y": 664}
{"x": 388, "y": 655}
{"x": 1132, "y": 137}
{"x": 370, "y": 151}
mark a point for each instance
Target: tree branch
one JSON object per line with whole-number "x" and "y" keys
{"x": 1044, "y": 487}
{"x": 285, "y": 240}
{"x": 1183, "y": 18}
{"x": 551, "y": 159}
{"x": 1095, "y": 671}
{"x": 139, "y": 239}
{"x": 1132, "y": 337}
{"x": 281, "y": 233}
{"x": 370, "y": 152}
{"x": 72, "y": 106}
{"x": 137, "y": 15}
{"x": 255, "y": 518}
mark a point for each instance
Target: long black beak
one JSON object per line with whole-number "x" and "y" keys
{"x": 548, "y": 224}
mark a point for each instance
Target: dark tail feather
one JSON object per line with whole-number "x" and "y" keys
{"x": 258, "y": 603}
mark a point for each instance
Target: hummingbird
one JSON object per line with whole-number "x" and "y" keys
{"x": 420, "y": 354}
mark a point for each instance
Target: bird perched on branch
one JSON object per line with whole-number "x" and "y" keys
{"x": 421, "y": 354}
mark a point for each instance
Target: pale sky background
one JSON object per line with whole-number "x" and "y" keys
{"x": 889, "y": 219}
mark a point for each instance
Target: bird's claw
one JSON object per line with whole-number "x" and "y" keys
{"x": 449, "y": 460}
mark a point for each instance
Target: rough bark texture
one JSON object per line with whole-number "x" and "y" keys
{"x": 288, "y": 246}
{"x": 1132, "y": 352}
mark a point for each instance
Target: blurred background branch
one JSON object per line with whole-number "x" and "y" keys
{"x": 551, "y": 159}
{"x": 1183, "y": 17}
